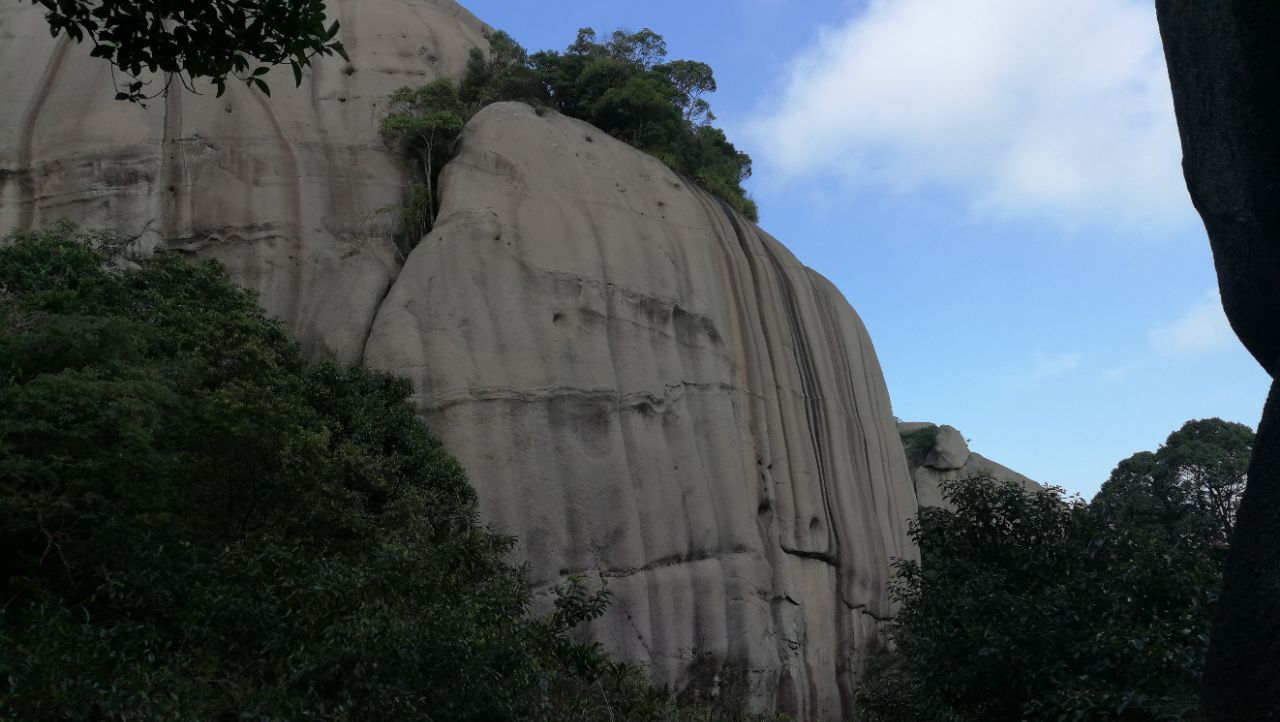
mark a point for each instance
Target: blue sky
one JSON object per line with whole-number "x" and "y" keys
{"x": 995, "y": 187}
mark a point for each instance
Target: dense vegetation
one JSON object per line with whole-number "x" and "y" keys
{"x": 192, "y": 39}
{"x": 623, "y": 84}
{"x": 197, "y": 524}
{"x": 1028, "y": 606}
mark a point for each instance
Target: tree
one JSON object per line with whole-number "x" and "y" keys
{"x": 691, "y": 80}
{"x": 1199, "y": 471}
{"x": 197, "y": 524}
{"x": 1209, "y": 462}
{"x": 424, "y": 122}
{"x": 193, "y": 39}
{"x": 619, "y": 85}
{"x": 1028, "y": 606}
{"x": 625, "y": 87}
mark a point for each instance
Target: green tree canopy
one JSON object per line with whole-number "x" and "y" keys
{"x": 622, "y": 85}
{"x": 1026, "y": 606}
{"x": 212, "y": 39}
{"x": 625, "y": 86}
{"x": 1199, "y": 471}
{"x": 424, "y": 122}
{"x": 196, "y": 524}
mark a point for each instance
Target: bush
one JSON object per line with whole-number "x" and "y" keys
{"x": 619, "y": 85}
{"x": 197, "y": 524}
{"x": 1026, "y": 606}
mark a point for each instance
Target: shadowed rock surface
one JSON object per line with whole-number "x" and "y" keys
{"x": 637, "y": 379}
{"x": 1224, "y": 68}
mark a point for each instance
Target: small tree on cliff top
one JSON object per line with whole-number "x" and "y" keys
{"x": 423, "y": 123}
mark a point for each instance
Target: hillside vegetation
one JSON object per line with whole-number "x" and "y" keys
{"x": 197, "y": 524}
{"x": 1028, "y": 606}
{"x": 622, "y": 84}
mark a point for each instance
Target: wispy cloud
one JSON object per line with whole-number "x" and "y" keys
{"x": 1044, "y": 366}
{"x": 1119, "y": 372}
{"x": 1201, "y": 329}
{"x": 1028, "y": 108}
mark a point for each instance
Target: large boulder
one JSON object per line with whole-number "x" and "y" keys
{"x": 937, "y": 454}
{"x": 640, "y": 382}
{"x": 950, "y": 451}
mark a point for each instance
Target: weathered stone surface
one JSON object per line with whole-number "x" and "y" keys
{"x": 642, "y": 382}
{"x": 950, "y": 450}
{"x": 1224, "y": 69}
{"x": 638, "y": 380}
{"x": 283, "y": 190}
{"x": 940, "y": 464}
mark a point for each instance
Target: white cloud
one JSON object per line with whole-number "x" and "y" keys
{"x": 1028, "y": 108}
{"x": 1201, "y": 329}
{"x": 1044, "y": 366}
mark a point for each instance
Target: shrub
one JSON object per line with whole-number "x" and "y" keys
{"x": 198, "y": 524}
{"x": 1027, "y": 606}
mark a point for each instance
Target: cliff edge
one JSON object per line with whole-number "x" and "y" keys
{"x": 638, "y": 380}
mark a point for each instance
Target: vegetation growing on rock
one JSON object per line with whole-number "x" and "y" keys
{"x": 623, "y": 84}
{"x": 197, "y": 524}
{"x": 918, "y": 443}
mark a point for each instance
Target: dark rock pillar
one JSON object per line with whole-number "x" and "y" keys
{"x": 1224, "y": 67}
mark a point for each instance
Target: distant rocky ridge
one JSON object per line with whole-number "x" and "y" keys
{"x": 640, "y": 382}
{"x": 941, "y": 453}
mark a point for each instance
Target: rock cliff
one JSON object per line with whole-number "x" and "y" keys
{"x": 1224, "y": 70}
{"x": 638, "y": 381}
{"x": 941, "y": 453}
{"x": 283, "y": 190}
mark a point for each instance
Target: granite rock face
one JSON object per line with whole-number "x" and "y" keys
{"x": 639, "y": 381}
{"x": 949, "y": 458}
{"x": 950, "y": 450}
{"x": 283, "y": 190}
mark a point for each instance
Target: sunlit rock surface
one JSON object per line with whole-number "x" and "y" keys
{"x": 641, "y": 381}
{"x": 284, "y": 190}
{"x": 638, "y": 380}
{"x": 949, "y": 458}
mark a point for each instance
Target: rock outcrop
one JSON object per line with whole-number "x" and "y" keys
{"x": 639, "y": 382}
{"x": 1224, "y": 69}
{"x": 940, "y": 453}
{"x": 283, "y": 190}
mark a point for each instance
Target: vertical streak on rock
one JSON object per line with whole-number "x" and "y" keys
{"x": 291, "y": 176}
{"x": 26, "y": 138}
{"x": 856, "y": 441}
{"x": 802, "y": 353}
{"x": 680, "y": 305}
{"x": 174, "y": 183}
